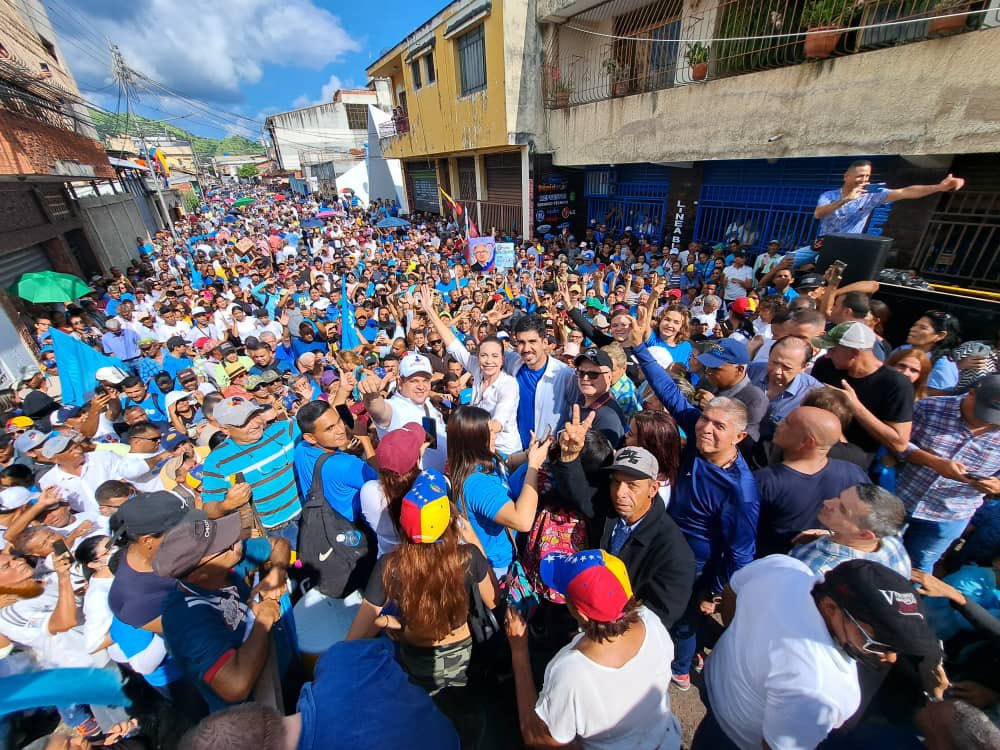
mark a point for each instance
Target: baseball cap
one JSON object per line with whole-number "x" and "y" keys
{"x": 190, "y": 541}
{"x": 235, "y": 411}
{"x": 174, "y": 341}
{"x": 13, "y": 498}
{"x": 594, "y": 581}
{"x": 675, "y": 294}
{"x": 113, "y": 375}
{"x": 112, "y": 324}
{"x": 30, "y": 440}
{"x": 588, "y": 254}
{"x": 413, "y": 363}
{"x": 254, "y": 382}
{"x": 596, "y": 304}
{"x": 636, "y": 462}
{"x": 151, "y": 513}
{"x": 58, "y": 419}
{"x": 199, "y": 311}
{"x": 174, "y": 396}
{"x": 56, "y": 443}
{"x": 37, "y": 405}
{"x": 146, "y": 343}
{"x": 595, "y": 357}
{"x": 269, "y": 376}
{"x": 743, "y": 305}
{"x": 987, "y": 400}
{"x": 19, "y": 423}
{"x": 725, "y": 352}
{"x": 852, "y": 335}
{"x": 810, "y": 281}
{"x": 172, "y": 439}
{"x": 206, "y": 344}
{"x": 880, "y": 597}
{"x": 774, "y": 242}
{"x": 425, "y": 511}
{"x": 226, "y": 346}
{"x": 399, "y": 450}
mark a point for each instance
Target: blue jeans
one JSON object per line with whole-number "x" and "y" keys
{"x": 684, "y": 634}
{"x": 290, "y": 532}
{"x": 927, "y": 541}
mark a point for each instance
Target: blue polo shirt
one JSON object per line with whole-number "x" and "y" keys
{"x": 527, "y": 384}
{"x": 343, "y": 476}
{"x": 483, "y": 495}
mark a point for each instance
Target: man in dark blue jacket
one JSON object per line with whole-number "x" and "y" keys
{"x": 715, "y": 502}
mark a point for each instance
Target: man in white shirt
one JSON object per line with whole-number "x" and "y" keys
{"x": 784, "y": 673}
{"x": 410, "y": 403}
{"x": 737, "y": 279}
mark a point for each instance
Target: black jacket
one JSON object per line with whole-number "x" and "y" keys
{"x": 659, "y": 562}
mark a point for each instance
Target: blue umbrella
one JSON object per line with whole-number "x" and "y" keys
{"x": 392, "y": 222}
{"x": 229, "y": 219}
{"x": 311, "y": 223}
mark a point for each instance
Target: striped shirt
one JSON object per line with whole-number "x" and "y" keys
{"x": 266, "y": 465}
{"x": 823, "y": 555}
{"x": 938, "y": 428}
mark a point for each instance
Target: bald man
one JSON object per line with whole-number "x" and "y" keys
{"x": 792, "y": 492}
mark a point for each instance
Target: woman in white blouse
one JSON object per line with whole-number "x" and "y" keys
{"x": 492, "y": 389}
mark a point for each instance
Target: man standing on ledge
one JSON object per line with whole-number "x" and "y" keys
{"x": 845, "y": 210}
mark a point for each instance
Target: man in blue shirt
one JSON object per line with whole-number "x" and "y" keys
{"x": 845, "y": 210}
{"x": 715, "y": 502}
{"x": 179, "y": 357}
{"x": 119, "y": 342}
{"x": 137, "y": 394}
{"x": 219, "y": 636}
{"x": 324, "y": 432}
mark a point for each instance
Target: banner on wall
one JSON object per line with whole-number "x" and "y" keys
{"x": 481, "y": 254}
{"x": 552, "y": 204}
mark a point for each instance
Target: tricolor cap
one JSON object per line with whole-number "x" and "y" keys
{"x": 426, "y": 511}
{"x": 594, "y": 581}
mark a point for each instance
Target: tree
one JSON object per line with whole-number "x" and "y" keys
{"x": 247, "y": 171}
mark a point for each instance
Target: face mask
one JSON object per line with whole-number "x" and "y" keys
{"x": 861, "y": 656}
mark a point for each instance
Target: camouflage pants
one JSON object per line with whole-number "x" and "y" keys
{"x": 436, "y": 667}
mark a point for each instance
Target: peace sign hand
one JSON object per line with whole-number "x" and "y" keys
{"x": 574, "y": 435}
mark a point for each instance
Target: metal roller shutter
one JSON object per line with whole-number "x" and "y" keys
{"x": 424, "y": 188}
{"x": 503, "y": 177}
{"x": 28, "y": 260}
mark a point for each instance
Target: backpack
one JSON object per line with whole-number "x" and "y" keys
{"x": 553, "y": 531}
{"x": 332, "y": 566}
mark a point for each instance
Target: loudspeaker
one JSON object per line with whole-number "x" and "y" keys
{"x": 864, "y": 254}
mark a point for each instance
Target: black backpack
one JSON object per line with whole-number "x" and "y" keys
{"x": 332, "y": 566}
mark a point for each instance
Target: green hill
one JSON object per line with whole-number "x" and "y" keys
{"x": 109, "y": 125}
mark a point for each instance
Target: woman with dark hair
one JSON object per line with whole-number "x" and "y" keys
{"x": 480, "y": 486}
{"x": 672, "y": 332}
{"x": 915, "y": 366}
{"x": 656, "y": 431}
{"x": 398, "y": 459}
{"x": 422, "y": 588}
{"x": 937, "y": 333}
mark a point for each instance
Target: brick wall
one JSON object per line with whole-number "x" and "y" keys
{"x": 29, "y": 147}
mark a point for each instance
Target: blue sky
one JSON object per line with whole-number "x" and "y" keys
{"x": 220, "y": 66}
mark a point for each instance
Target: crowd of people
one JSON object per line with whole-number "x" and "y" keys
{"x": 327, "y": 486}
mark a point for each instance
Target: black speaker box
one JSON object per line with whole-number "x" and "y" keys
{"x": 864, "y": 254}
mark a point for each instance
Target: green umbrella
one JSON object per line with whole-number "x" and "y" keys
{"x": 50, "y": 286}
{"x": 243, "y": 202}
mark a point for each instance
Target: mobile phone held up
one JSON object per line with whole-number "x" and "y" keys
{"x": 430, "y": 427}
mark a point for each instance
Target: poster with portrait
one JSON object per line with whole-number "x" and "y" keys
{"x": 505, "y": 255}
{"x": 481, "y": 254}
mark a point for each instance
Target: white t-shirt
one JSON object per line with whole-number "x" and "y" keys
{"x": 776, "y": 674}
{"x": 405, "y": 411}
{"x": 734, "y": 290}
{"x": 375, "y": 509}
{"x": 608, "y": 708}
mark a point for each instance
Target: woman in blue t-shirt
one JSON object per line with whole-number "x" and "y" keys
{"x": 480, "y": 488}
{"x": 937, "y": 333}
{"x": 672, "y": 331}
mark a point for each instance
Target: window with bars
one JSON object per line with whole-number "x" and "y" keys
{"x": 415, "y": 72}
{"x": 429, "y": 73}
{"x": 472, "y": 61}
{"x": 357, "y": 116}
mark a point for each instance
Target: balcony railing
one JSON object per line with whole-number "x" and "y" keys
{"x": 398, "y": 125}
{"x": 617, "y": 49}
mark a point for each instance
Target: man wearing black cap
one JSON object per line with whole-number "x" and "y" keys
{"x": 593, "y": 374}
{"x": 219, "y": 636}
{"x": 784, "y": 674}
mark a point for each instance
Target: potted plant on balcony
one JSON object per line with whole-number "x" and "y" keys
{"x": 824, "y": 22}
{"x": 619, "y": 73}
{"x": 955, "y": 23}
{"x": 561, "y": 91}
{"x": 697, "y": 57}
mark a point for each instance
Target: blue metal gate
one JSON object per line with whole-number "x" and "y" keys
{"x": 634, "y": 195}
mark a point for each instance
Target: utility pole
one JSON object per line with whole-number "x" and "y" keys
{"x": 123, "y": 74}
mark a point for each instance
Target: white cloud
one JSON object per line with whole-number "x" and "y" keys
{"x": 205, "y": 48}
{"x": 325, "y": 95}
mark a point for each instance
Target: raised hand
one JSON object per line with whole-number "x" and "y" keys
{"x": 574, "y": 435}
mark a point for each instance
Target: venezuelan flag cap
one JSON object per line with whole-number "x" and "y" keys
{"x": 594, "y": 581}
{"x": 426, "y": 512}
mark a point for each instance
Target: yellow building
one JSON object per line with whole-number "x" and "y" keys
{"x": 466, "y": 110}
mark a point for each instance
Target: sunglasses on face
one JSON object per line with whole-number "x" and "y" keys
{"x": 589, "y": 374}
